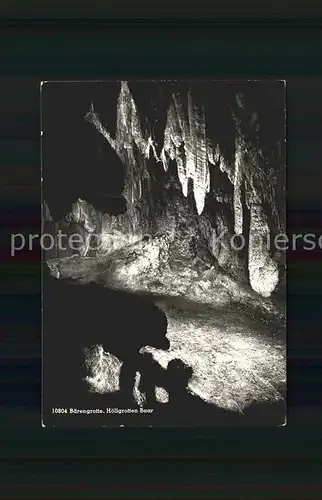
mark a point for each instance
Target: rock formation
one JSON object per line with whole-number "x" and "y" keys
{"x": 197, "y": 198}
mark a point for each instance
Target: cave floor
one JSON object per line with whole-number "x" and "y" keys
{"x": 236, "y": 360}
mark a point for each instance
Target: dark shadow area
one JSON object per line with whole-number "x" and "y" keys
{"x": 185, "y": 408}
{"x": 188, "y": 409}
{"x": 78, "y": 316}
{"x": 78, "y": 161}
{"x": 152, "y": 375}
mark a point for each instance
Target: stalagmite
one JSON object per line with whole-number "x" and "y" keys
{"x": 263, "y": 270}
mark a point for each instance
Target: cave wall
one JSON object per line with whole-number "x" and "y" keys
{"x": 216, "y": 170}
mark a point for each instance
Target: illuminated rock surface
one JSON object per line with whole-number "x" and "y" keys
{"x": 197, "y": 157}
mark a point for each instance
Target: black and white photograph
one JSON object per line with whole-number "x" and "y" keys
{"x": 163, "y": 253}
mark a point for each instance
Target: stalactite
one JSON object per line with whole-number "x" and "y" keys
{"x": 192, "y": 158}
{"x": 186, "y": 143}
{"x": 128, "y": 137}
